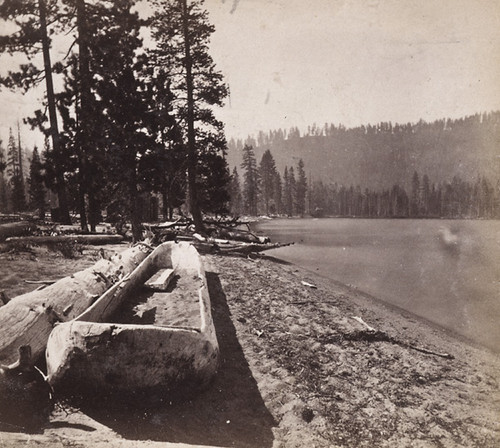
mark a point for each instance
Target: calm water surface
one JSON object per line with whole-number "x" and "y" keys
{"x": 445, "y": 271}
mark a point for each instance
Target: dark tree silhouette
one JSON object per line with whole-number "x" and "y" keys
{"x": 36, "y": 185}
{"x": 250, "y": 181}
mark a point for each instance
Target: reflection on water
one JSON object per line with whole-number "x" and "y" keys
{"x": 445, "y": 271}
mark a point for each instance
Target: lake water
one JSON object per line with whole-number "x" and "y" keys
{"x": 445, "y": 271}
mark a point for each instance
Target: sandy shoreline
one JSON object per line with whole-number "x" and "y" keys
{"x": 298, "y": 370}
{"x": 355, "y": 292}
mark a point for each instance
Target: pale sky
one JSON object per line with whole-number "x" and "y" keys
{"x": 296, "y": 62}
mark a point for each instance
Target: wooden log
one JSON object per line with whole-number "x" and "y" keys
{"x": 246, "y": 249}
{"x": 9, "y": 218}
{"x": 40, "y": 282}
{"x": 15, "y": 229}
{"x": 28, "y": 319}
{"x": 79, "y": 239}
{"x": 240, "y": 235}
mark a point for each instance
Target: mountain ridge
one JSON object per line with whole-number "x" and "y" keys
{"x": 382, "y": 155}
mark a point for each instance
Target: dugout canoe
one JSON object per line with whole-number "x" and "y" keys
{"x": 157, "y": 342}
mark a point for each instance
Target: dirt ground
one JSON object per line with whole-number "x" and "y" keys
{"x": 297, "y": 370}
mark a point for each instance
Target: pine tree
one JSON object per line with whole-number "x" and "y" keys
{"x": 3, "y": 184}
{"x": 213, "y": 183}
{"x": 82, "y": 108}
{"x": 250, "y": 181}
{"x": 267, "y": 178}
{"x": 301, "y": 188}
{"x": 426, "y": 192}
{"x": 36, "y": 186}
{"x": 415, "y": 195}
{"x": 30, "y": 38}
{"x": 22, "y": 183}
{"x": 108, "y": 114}
{"x": 167, "y": 158}
{"x": 12, "y": 156}
{"x": 86, "y": 117}
{"x": 14, "y": 173}
{"x": 124, "y": 136}
{"x": 235, "y": 194}
{"x": 287, "y": 193}
{"x": 182, "y": 32}
{"x": 293, "y": 191}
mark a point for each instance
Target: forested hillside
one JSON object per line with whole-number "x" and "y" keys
{"x": 378, "y": 157}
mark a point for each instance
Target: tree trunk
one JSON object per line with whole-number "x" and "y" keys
{"x": 135, "y": 216}
{"x": 28, "y": 319}
{"x": 81, "y": 199}
{"x": 166, "y": 205}
{"x": 94, "y": 212}
{"x": 79, "y": 239}
{"x": 85, "y": 114}
{"x": 191, "y": 143}
{"x": 51, "y": 102}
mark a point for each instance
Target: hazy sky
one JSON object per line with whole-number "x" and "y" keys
{"x": 292, "y": 62}
{"x": 296, "y": 62}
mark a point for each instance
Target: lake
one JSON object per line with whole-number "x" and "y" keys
{"x": 447, "y": 271}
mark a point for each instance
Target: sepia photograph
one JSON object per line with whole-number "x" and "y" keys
{"x": 250, "y": 223}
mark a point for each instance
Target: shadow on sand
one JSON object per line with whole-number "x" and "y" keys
{"x": 230, "y": 413}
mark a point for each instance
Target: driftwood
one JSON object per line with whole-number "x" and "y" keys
{"x": 40, "y": 282}
{"x": 168, "y": 224}
{"x": 246, "y": 249}
{"x": 370, "y": 334}
{"x": 10, "y": 218}
{"x": 80, "y": 239}
{"x": 15, "y": 229}
{"x": 242, "y": 235}
{"x": 184, "y": 221}
{"x": 216, "y": 231}
{"x": 28, "y": 319}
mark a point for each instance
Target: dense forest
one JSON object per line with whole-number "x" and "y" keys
{"x": 132, "y": 121}
{"x": 262, "y": 190}
{"x": 449, "y": 168}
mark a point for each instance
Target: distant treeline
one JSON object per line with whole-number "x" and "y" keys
{"x": 455, "y": 199}
{"x": 262, "y": 190}
{"x": 386, "y": 154}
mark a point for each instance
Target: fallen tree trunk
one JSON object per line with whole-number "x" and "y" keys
{"x": 9, "y": 218}
{"x": 241, "y": 235}
{"x": 15, "y": 229}
{"x": 80, "y": 239}
{"x": 28, "y": 319}
{"x": 246, "y": 249}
